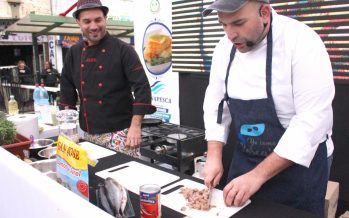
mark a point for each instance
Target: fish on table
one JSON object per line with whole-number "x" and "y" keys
{"x": 113, "y": 197}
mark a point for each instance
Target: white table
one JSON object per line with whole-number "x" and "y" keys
{"x": 26, "y": 192}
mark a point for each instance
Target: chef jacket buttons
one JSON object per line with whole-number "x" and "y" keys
{"x": 85, "y": 99}
{"x": 104, "y": 50}
{"x": 82, "y": 65}
{"x": 100, "y": 85}
{"x": 82, "y": 82}
{"x": 100, "y": 102}
{"x": 100, "y": 67}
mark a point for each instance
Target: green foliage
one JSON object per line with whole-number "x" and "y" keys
{"x": 7, "y": 131}
{"x": 2, "y": 115}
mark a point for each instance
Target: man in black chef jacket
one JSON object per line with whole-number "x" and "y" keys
{"x": 50, "y": 77}
{"x": 103, "y": 72}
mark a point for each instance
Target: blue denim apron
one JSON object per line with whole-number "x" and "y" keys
{"x": 258, "y": 131}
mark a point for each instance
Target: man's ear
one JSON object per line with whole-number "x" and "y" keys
{"x": 264, "y": 10}
{"x": 264, "y": 13}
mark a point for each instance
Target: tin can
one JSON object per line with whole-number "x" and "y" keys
{"x": 150, "y": 201}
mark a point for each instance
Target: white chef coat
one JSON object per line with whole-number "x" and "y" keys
{"x": 302, "y": 88}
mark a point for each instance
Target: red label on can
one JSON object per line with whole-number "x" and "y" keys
{"x": 150, "y": 202}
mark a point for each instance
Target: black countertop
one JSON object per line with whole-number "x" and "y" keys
{"x": 257, "y": 208}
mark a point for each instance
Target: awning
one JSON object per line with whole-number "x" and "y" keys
{"x": 59, "y": 25}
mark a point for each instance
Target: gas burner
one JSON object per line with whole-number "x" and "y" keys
{"x": 172, "y": 138}
{"x": 166, "y": 129}
{"x": 173, "y": 144}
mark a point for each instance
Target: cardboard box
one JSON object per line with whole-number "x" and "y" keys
{"x": 331, "y": 199}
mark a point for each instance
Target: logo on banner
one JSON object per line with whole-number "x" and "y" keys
{"x": 162, "y": 112}
{"x": 157, "y": 87}
{"x": 154, "y": 6}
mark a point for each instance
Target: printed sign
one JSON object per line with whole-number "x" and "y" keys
{"x": 153, "y": 43}
{"x": 72, "y": 167}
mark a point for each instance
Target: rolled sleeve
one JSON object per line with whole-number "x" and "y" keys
{"x": 142, "y": 109}
{"x": 302, "y": 151}
{"x": 313, "y": 92}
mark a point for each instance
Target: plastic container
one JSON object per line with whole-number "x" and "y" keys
{"x": 44, "y": 95}
{"x": 36, "y": 98}
{"x": 41, "y": 104}
{"x": 54, "y": 110}
{"x": 12, "y": 106}
{"x": 68, "y": 124}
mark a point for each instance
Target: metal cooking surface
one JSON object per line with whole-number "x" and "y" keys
{"x": 166, "y": 129}
{"x": 173, "y": 144}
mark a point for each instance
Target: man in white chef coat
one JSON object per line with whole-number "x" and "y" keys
{"x": 271, "y": 78}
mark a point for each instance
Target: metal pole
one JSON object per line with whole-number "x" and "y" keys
{"x": 36, "y": 66}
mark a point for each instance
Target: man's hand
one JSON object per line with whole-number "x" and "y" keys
{"x": 213, "y": 169}
{"x": 240, "y": 189}
{"x": 134, "y": 132}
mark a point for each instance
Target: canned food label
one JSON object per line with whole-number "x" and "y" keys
{"x": 150, "y": 205}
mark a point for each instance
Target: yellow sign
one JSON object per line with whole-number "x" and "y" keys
{"x": 73, "y": 154}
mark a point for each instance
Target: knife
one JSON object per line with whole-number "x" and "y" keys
{"x": 209, "y": 196}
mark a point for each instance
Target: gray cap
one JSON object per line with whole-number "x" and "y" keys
{"x": 89, "y": 4}
{"x": 229, "y": 6}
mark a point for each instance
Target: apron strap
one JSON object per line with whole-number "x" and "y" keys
{"x": 269, "y": 61}
{"x": 226, "y": 96}
{"x": 268, "y": 72}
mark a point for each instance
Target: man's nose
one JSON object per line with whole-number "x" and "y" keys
{"x": 231, "y": 33}
{"x": 93, "y": 25}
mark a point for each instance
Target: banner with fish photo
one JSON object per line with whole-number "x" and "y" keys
{"x": 153, "y": 43}
{"x": 72, "y": 166}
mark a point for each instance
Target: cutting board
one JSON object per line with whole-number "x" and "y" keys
{"x": 132, "y": 175}
{"x": 95, "y": 151}
{"x": 176, "y": 201}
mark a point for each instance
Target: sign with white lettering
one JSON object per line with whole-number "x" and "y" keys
{"x": 52, "y": 50}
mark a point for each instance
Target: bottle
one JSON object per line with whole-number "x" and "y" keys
{"x": 44, "y": 95}
{"x": 44, "y": 105}
{"x": 54, "y": 110}
{"x": 36, "y": 98}
{"x": 12, "y": 106}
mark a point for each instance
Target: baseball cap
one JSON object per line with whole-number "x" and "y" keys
{"x": 229, "y": 6}
{"x": 88, "y": 4}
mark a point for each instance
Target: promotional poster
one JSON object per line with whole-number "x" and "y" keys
{"x": 72, "y": 167}
{"x": 153, "y": 43}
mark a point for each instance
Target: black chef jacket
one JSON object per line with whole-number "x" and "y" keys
{"x": 104, "y": 76}
{"x": 50, "y": 78}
